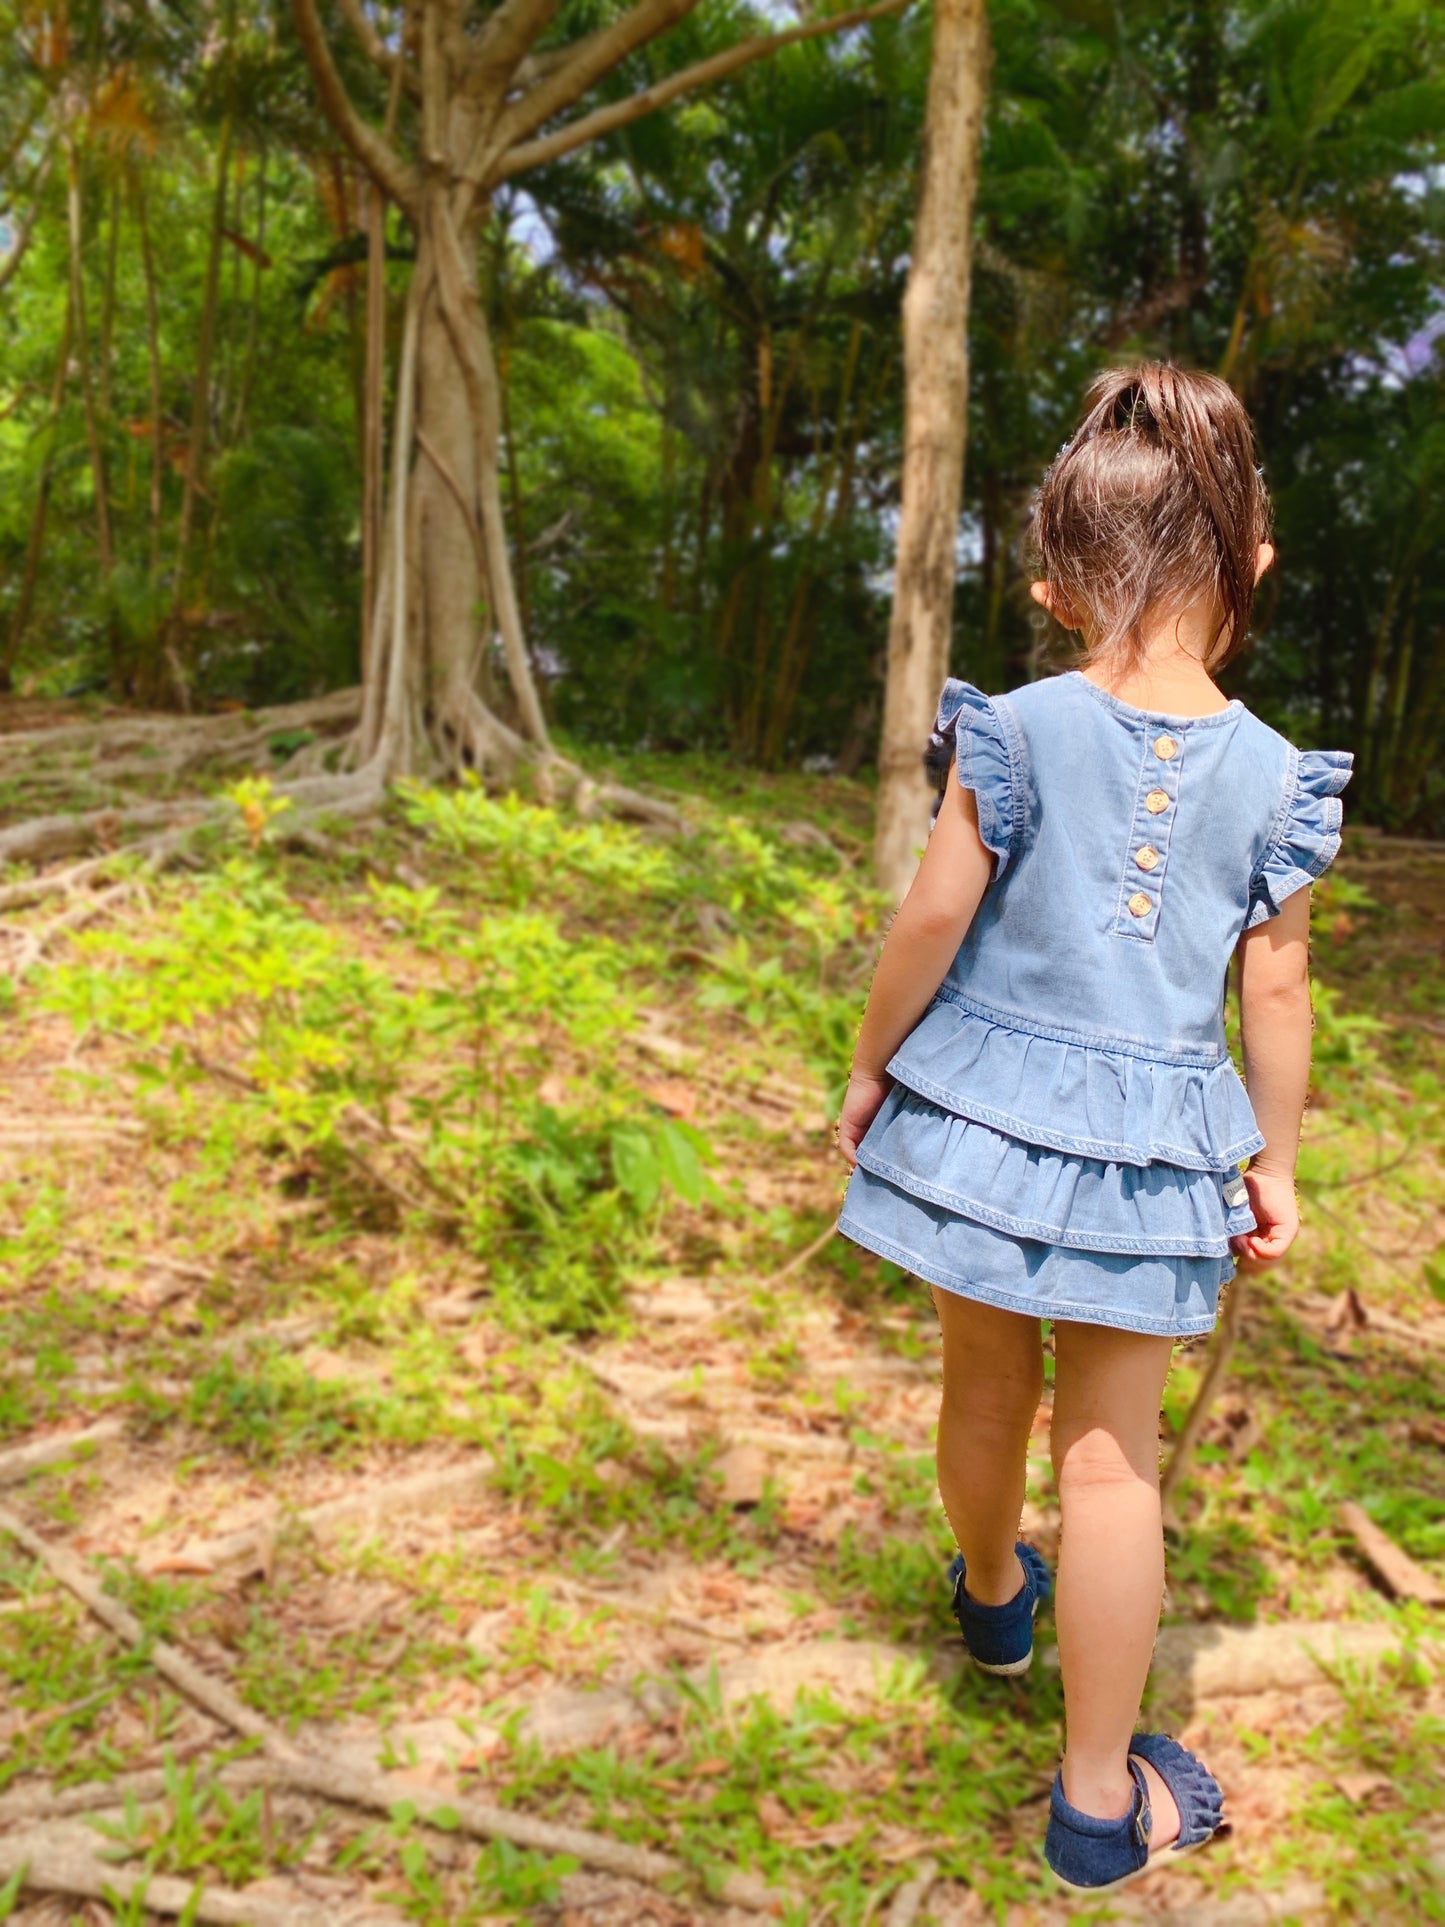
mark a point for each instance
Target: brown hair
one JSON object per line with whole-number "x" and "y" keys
{"x": 1153, "y": 502}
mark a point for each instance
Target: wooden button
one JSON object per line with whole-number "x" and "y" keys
{"x": 1165, "y": 747}
{"x": 1140, "y": 905}
{"x": 1155, "y": 801}
{"x": 1146, "y": 857}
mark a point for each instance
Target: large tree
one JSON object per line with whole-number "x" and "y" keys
{"x": 490, "y": 98}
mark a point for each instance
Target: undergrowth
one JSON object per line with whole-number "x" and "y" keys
{"x": 422, "y": 1127}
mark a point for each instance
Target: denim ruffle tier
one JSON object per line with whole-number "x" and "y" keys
{"x": 1055, "y": 1178}
{"x": 1054, "y": 1173}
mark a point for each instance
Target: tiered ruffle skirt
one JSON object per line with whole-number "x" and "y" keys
{"x": 1057, "y": 1175}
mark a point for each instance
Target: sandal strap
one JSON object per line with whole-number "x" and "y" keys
{"x": 1035, "y": 1570}
{"x": 1197, "y": 1794}
{"x": 1036, "y": 1575}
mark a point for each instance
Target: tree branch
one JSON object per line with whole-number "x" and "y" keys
{"x": 379, "y": 158}
{"x": 375, "y": 48}
{"x": 594, "y": 55}
{"x": 508, "y": 36}
{"x": 550, "y": 60}
{"x": 37, "y": 189}
{"x": 605, "y": 120}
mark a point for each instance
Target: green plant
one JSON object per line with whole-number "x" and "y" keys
{"x": 430, "y": 1097}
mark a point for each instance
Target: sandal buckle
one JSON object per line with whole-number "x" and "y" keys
{"x": 1143, "y": 1820}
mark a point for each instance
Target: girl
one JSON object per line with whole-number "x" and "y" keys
{"x": 1043, "y": 1119}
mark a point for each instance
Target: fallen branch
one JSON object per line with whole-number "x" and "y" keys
{"x": 909, "y": 1899}
{"x": 801, "y": 1258}
{"x": 1195, "y": 1419}
{"x": 213, "y": 1696}
{"x": 50, "y": 1715}
{"x": 633, "y": 1609}
{"x": 30, "y": 1132}
{"x": 22, "y": 1460}
{"x": 1217, "y": 1661}
{"x": 176, "y": 736}
{"x": 377, "y": 1792}
{"x": 52, "y": 1866}
{"x": 55, "y": 883}
{"x": 32, "y": 944}
{"x": 48, "y": 1802}
{"x": 1395, "y": 1567}
{"x": 447, "y": 1485}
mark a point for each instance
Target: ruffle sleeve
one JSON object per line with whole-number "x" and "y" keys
{"x": 1306, "y": 839}
{"x": 970, "y": 730}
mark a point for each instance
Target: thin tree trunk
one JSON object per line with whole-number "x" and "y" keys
{"x": 471, "y": 339}
{"x": 107, "y": 305}
{"x": 374, "y": 400}
{"x": 35, "y": 546}
{"x": 935, "y": 347}
{"x": 201, "y": 398}
{"x": 797, "y": 634}
{"x": 153, "y": 353}
{"x": 374, "y": 208}
{"x": 104, "y": 543}
{"x": 253, "y": 319}
{"x": 667, "y": 584}
{"x": 514, "y": 489}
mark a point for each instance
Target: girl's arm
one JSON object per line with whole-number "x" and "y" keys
{"x": 923, "y": 941}
{"x": 1276, "y": 1021}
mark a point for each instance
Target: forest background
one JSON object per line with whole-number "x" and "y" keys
{"x": 696, "y": 334}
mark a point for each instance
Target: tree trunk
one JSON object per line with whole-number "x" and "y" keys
{"x": 104, "y": 372}
{"x": 484, "y": 97}
{"x": 81, "y": 333}
{"x": 435, "y": 614}
{"x": 35, "y": 547}
{"x": 205, "y": 345}
{"x": 253, "y": 316}
{"x": 514, "y": 489}
{"x": 372, "y": 438}
{"x": 153, "y": 356}
{"x": 935, "y": 348}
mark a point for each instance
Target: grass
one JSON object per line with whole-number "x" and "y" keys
{"x": 283, "y": 1306}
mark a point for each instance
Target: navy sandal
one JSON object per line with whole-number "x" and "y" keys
{"x": 1001, "y": 1638}
{"x": 1093, "y": 1856}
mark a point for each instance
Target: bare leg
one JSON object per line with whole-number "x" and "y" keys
{"x": 1107, "y": 1390}
{"x": 993, "y": 1375}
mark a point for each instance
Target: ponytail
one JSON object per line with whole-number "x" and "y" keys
{"x": 1153, "y": 501}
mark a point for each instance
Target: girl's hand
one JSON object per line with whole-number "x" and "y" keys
{"x": 862, "y": 1103}
{"x": 1276, "y": 1212}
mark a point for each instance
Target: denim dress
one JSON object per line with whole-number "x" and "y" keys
{"x": 1065, "y": 1128}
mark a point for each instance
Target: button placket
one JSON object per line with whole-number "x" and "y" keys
{"x": 1146, "y": 859}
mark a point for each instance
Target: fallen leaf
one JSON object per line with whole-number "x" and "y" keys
{"x": 1361, "y": 1788}
{"x": 178, "y": 1563}
{"x": 670, "y": 1094}
{"x": 744, "y": 1471}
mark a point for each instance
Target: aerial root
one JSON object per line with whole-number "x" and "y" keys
{"x": 174, "y": 744}
{"x": 465, "y": 734}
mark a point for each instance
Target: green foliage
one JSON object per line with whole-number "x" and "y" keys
{"x": 519, "y": 839}
{"x": 286, "y": 513}
{"x": 457, "y": 1097}
{"x": 199, "y": 1829}
{"x": 697, "y": 332}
